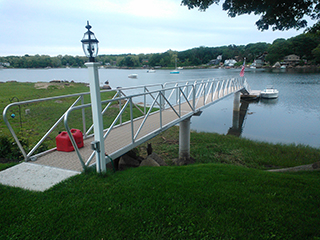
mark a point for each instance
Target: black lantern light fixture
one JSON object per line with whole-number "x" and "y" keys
{"x": 90, "y": 44}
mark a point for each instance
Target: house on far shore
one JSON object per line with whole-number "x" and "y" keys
{"x": 4, "y": 64}
{"x": 229, "y": 62}
{"x": 291, "y": 59}
{"x": 215, "y": 61}
{"x": 259, "y": 61}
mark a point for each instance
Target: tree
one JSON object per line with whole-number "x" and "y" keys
{"x": 280, "y": 15}
{"x": 278, "y": 50}
{"x": 302, "y": 45}
{"x": 254, "y": 50}
{"x": 316, "y": 54}
{"x": 130, "y": 61}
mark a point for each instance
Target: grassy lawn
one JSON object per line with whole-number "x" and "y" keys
{"x": 42, "y": 115}
{"x": 216, "y": 148}
{"x": 225, "y": 195}
{"x": 203, "y": 201}
{"x": 33, "y": 120}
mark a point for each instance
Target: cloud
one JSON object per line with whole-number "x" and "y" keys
{"x": 125, "y": 26}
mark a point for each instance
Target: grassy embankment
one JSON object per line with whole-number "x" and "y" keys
{"x": 226, "y": 195}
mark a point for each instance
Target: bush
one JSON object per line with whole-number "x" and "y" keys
{"x": 9, "y": 150}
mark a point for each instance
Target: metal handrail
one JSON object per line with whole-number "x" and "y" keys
{"x": 166, "y": 96}
{"x": 204, "y": 89}
{"x": 6, "y": 109}
{"x": 80, "y": 96}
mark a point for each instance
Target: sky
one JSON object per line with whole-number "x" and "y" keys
{"x": 56, "y": 27}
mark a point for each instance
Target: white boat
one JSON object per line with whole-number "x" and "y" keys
{"x": 133, "y": 75}
{"x": 269, "y": 92}
{"x": 176, "y": 70}
{"x": 151, "y": 71}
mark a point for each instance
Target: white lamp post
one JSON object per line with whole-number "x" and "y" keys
{"x": 90, "y": 48}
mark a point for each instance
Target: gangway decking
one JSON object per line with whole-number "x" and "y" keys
{"x": 162, "y": 108}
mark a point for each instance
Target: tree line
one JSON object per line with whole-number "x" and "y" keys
{"x": 306, "y": 46}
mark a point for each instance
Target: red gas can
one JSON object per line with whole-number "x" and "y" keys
{"x": 63, "y": 141}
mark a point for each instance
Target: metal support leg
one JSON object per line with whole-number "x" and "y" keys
{"x": 184, "y": 139}
{"x": 236, "y": 102}
{"x": 236, "y": 111}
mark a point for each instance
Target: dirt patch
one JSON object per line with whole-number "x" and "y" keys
{"x": 308, "y": 167}
{"x": 44, "y": 85}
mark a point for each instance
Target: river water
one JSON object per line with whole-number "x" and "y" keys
{"x": 292, "y": 118}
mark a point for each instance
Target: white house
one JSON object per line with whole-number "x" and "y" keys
{"x": 230, "y": 62}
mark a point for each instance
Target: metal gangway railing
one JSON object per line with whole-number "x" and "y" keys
{"x": 141, "y": 112}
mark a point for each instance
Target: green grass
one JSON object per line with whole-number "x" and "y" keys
{"x": 225, "y": 195}
{"x": 31, "y": 127}
{"x": 216, "y": 148}
{"x": 208, "y": 201}
{"x": 43, "y": 115}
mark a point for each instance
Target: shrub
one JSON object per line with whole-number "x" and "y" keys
{"x": 9, "y": 151}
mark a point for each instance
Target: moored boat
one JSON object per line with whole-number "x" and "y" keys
{"x": 133, "y": 75}
{"x": 269, "y": 92}
{"x": 175, "y": 71}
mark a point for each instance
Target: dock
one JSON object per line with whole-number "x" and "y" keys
{"x": 252, "y": 95}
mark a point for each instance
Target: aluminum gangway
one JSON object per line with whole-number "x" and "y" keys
{"x": 150, "y": 109}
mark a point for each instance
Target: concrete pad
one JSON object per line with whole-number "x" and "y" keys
{"x": 33, "y": 176}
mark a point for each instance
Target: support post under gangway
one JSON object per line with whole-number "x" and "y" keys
{"x": 236, "y": 110}
{"x": 184, "y": 139}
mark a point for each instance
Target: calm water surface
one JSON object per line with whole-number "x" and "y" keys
{"x": 292, "y": 118}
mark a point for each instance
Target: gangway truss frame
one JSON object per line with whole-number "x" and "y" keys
{"x": 161, "y": 106}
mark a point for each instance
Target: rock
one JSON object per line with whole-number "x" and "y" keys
{"x": 316, "y": 165}
{"x": 140, "y": 159}
{"x": 106, "y": 86}
{"x": 113, "y": 166}
{"x": 126, "y": 162}
{"x": 158, "y": 159}
{"x": 133, "y": 153}
{"x": 149, "y": 162}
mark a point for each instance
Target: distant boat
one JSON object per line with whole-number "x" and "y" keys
{"x": 133, "y": 75}
{"x": 151, "y": 71}
{"x": 269, "y": 92}
{"x": 176, "y": 70}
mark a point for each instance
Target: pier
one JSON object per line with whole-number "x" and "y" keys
{"x": 161, "y": 106}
